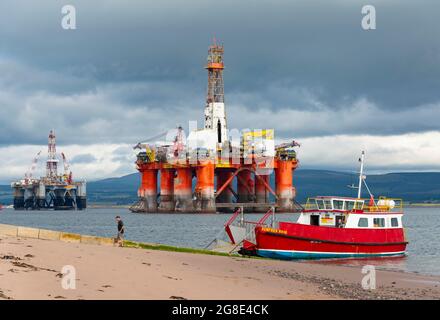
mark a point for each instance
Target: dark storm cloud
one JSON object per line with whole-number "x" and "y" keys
{"x": 135, "y": 68}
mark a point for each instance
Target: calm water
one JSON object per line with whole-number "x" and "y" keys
{"x": 422, "y": 227}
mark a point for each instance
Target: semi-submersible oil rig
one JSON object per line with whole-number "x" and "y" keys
{"x": 54, "y": 191}
{"x": 230, "y": 169}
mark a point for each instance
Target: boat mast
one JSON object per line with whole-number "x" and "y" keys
{"x": 361, "y": 174}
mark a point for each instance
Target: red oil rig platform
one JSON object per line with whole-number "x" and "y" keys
{"x": 215, "y": 169}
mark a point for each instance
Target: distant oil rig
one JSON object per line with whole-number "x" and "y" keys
{"x": 229, "y": 172}
{"x": 58, "y": 192}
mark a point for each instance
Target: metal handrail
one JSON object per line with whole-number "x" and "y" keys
{"x": 269, "y": 213}
{"x": 234, "y": 216}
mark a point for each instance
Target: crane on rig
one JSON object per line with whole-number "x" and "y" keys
{"x": 29, "y": 173}
{"x": 285, "y": 150}
{"x": 178, "y": 143}
{"x": 141, "y": 145}
{"x": 285, "y": 145}
{"x": 152, "y": 152}
{"x": 67, "y": 172}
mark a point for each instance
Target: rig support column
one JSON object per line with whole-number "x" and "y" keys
{"x": 183, "y": 190}
{"x": 18, "y": 198}
{"x": 166, "y": 190}
{"x": 245, "y": 187}
{"x": 81, "y": 199}
{"x": 205, "y": 187}
{"x": 284, "y": 190}
{"x": 226, "y": 195}
{"x": 41, "y": 195}
{"x": 261, "y": 192}
{"x": 148, "y": 189}
{"x": 59, "y": 202}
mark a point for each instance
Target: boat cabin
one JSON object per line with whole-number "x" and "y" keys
{"x": 334, "y": 204}
{"x": 344, "y": 212}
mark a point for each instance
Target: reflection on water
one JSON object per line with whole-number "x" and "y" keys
{"x": 386, "y": 263}
{"x": 192, "y": 230}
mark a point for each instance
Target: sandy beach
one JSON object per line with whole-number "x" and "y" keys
{"x": 31, "y": 269}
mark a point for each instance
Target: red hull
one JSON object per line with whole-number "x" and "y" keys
{"x": 308, "y": 239}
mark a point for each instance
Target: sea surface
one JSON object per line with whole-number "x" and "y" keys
{"x": 198, "y": 230}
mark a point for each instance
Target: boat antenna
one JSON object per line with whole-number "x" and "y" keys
{"x": 361, "y": 174}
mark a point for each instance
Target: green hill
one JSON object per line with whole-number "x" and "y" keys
{"x": 412, "y": 187}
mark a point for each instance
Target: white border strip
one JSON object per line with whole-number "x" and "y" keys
{"x": 337, "y": 253}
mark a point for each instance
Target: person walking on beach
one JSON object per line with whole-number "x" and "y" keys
{"x": 121, "y": 229}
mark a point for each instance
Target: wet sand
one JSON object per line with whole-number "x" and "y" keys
{"x": 31, "y": 269}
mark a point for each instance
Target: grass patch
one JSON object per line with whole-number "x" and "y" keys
{"x": 163, "y": 247}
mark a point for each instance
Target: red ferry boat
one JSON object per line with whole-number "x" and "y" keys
{"x": 328, "y": 227}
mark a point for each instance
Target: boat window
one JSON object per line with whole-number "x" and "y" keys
{"x": 338, "y": 204}
{"x": 320, "y": 204}
{"x": 314, "y": 220}
{"x": 363, "y": 223}
{"x": 328, "y": 204}
{"x": 340, "y": 220}
{"x": 394, "y": 222}
{"x": 359, "y": 205}
{"x": 379, "y": 222}
{"x": 349, "y": 205}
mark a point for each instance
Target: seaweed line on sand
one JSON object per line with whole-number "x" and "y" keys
{"x": 349, "y": 290}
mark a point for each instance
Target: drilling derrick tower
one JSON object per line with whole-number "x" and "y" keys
{"x": 52, "y": 161}
{"x": 215, "y": 115}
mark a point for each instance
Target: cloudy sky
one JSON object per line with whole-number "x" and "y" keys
{"x": 134, "y": 68}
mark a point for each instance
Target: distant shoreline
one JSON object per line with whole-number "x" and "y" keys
{"x": 126, "y": 206}
{"x": 116, "y": 206}
{"x": 108, "y": 206}
{"x": 422, "y": 205}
